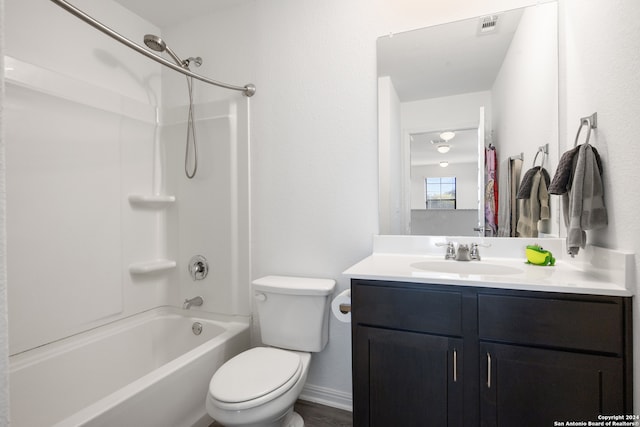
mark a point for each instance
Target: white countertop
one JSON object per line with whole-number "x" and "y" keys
{"x": 605, "y": 276}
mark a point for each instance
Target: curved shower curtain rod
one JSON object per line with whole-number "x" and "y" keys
{"x": 247, "y": 90}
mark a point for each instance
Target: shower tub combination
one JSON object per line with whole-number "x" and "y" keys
{"x": 151, "y": 369}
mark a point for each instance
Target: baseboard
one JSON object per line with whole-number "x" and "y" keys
{"x": 204, "y": 421}
{"x": 327, "y": 396}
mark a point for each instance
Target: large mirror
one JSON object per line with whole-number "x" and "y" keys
{"x": 465, "y": 110}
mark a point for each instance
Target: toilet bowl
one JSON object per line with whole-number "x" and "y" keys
{"x": 259, "y": 387}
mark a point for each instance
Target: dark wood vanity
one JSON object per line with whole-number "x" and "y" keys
{"x": 443, "y": 355}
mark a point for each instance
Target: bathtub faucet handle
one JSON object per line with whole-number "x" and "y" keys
{"x": 197, "y": 301}
{"x": 198, "y": 267}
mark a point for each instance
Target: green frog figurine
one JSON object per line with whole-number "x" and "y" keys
{"x": 539, "y": 256}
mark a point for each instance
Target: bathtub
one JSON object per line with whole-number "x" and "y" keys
{"x": 146, "y": 370}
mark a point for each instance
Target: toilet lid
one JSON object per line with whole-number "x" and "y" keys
{"x": 254, "y": 373}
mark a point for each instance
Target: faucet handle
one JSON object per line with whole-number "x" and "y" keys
{"x": 198, "y": 267}
{"x": 474, "y": 252}
{"x": 482, "y": 245}
{"x": 451, "y": 250}
{"x": 447, "y": 244}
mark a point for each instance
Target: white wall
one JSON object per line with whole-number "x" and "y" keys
{"x": 314, "y": 204}
{"x": 4, "y": 327}
{"x": 314, "y": 123}
{"x": 62, "y": 43}
{"x": 526, "y": 116}
{"x": 434, "y": 222}
{"x": 599, "y": 73}
{"x": 224, "y": 41}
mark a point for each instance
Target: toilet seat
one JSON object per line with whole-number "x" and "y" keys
{"x": 255, "y": 377}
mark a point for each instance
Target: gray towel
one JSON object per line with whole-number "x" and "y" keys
{"x": 561, "y": 182}
{"x": 524, "y": 192}
{"x": 585, "y": 199}
{"x": 535, "y": 208}
{"x": 507, "y": 206}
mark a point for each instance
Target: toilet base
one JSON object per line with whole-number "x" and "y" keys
{"x": 290, "y": 419}
{"x": 293, "y": 419}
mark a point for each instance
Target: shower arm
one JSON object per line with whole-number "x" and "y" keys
{"x": 248, "y": 90}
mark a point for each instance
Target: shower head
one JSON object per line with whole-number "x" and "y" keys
{"x": 154, "y": 42}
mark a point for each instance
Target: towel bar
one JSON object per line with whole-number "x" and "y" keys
{"x": 544, "y": 149}
{"x": 592, "y": 122}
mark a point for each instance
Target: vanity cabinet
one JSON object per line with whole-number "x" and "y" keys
{"x": 551, "y": 357}
{"x": 408, "y": 356}
{"x": 527, "y": 386}
{"x": 433, "y": 355}
{"x": 409, "y": 379}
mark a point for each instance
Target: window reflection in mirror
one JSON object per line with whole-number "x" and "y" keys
{"x": 440, "y": 192}
{"x": 438, "y": 78}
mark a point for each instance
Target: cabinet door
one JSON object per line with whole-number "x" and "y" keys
{"x": 534, "y": 387}
{"x": 406, "y": 379}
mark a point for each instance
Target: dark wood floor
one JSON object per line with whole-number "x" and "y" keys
{"x": 316, "y": 415}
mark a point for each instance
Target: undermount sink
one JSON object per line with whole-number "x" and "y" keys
{"x": 466, "y": 267}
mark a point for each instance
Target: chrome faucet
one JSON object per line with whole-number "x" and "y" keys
{"x": 463, "y": 253}
{"x": 197, "y": 301}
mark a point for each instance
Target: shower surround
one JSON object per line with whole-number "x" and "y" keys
{"x": 101, "y": 220}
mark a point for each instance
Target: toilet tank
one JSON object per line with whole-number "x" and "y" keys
{"x": 293, "y": 312}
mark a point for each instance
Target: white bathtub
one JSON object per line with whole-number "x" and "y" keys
{"x": 146, "y": 370}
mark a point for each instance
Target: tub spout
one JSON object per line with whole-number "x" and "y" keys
{"x": 197, "y": 301}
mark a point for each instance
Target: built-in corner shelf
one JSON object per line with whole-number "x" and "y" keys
{"x": 151, "y": 201}
{"x": 144, "y": 267}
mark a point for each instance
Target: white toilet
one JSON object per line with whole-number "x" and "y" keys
{"x": 259, "y": 386}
